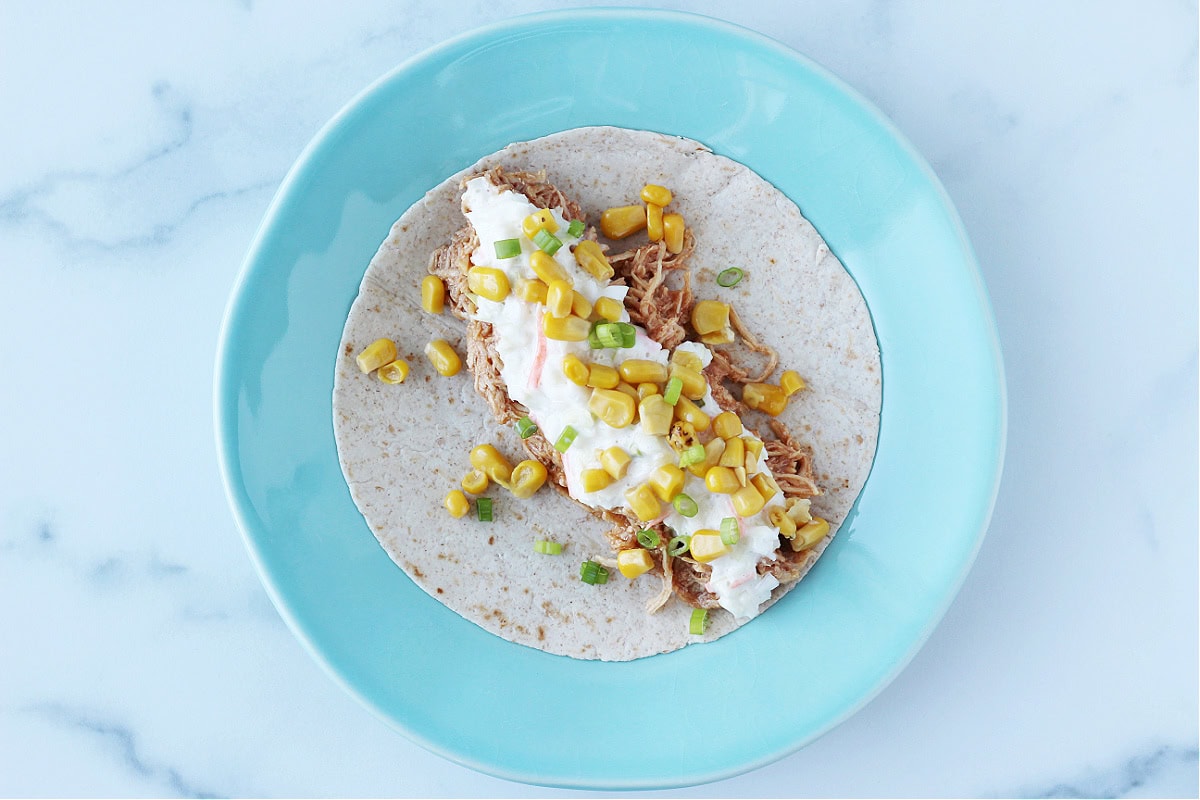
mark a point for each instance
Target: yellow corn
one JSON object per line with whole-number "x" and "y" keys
{"x": 734, "y": 455}
{"x": 643, "y": 503}
{"x": 658, "y": 195}
{"x": 580, "y": 306}
{"x": 608, "y": 309}
{"x": 376, "y": 354}
{"x": 488, "y": 460}
{"x": 394, "y": 372}
{"x": 575, "y": 370}
{"x": 656, "y": 415}
{"x": 571, "y": 329}
{"x": 688, "y": 411}
{"x": 765, "y": 397}
{"x": 644, "y": 390}
{"x": 682, "y": 435}
{"x": 547, "y": 269}
{"x": 712, "y": 457}
{"x": 727, "y": 425}
{"x": 625, "y": 388}
{"x": 741, "y": 475}
{"x": 433, "y": 294}
{"x": 723, "y": 336}
{"x": 747, "y": 501}
{"x": 488, "y": 282}
{"x": 780, "y": 519}
{"x": 559, "y": 295}
{"x": 594, "y": 480}
{"x": 602, "y": 377}
{"x": 457, "y": 503}
{"x": 800, "y": 511}
{"x": 475, "y": 481}
{"x": 613, "y": 407}
{"x": 654, "y": 222}
{"x": 617, "y": 223}
{"x": 810, "y": 534}
{"x": 633, "y": 562}
{"x": 753, "y": 445}
{"x": 590, "y": 256}
{"x": 642, "y": 370}
{"x": 721, "y": 480}
{"x": 766, "y": 485}
{"x": 673, "y": 233}
{"x": 694, "y": 383}
{"x": 751, "y": 465}
{"x": 442, "y": 356}
{"x": 527, "y": 477}
{"x": 531, "y": 291}
{"x": 791, "y": 382}
{"x": 710, "y": 316}
{"x": 666, "y": 482}
{"x": 539, "y": 220}
{"x": 615, "y": 462}
{"x": 707, "y": 545}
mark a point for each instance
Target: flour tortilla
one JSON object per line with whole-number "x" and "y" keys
{"x": 403, "y": 447}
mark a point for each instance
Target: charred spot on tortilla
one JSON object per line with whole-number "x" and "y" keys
{"x": 817, "y": 325}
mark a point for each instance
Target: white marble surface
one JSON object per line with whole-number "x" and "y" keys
{"x": 141, "y": 143}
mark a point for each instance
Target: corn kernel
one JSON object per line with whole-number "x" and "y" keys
{"x": 724, "y": 336}
{"x": 608, "y": 309}
{"x": 695, "y": 385}
{"x": 580, "y": 306}
{"x": 634, "y": 562}
{"x": 593, "y": 480}
{"x": 376, "y": 354}
{"x": 547, "y": 269}
{"x": 625, "y": 388}
{"x": 727, "y": 425}
{"x": 617, "y": 223}
{"x": 780, "y": 519}
{"x": 747, "y": 501}
{"x": 766, "y": 485}
{"x": 654, "y": 222}
{"x": 393, "y": 372}
{"x": 682, "y": 435}
{"x": 613, "y": 407}
{"x": 658, "y": 195}
{"x": 707, "y": 545}
{"x": 642, "y": 370}
{"x": 443, "y": 358}
{"x": 615, "y": 462}
{"x": 721, "y": 480}
{"x": 531, "y": 291}
{"x": 710, "y": 316}
{"x": 673, "y": 233}
{"x": 753, "y": 445}
{"x": 602, "y": 377}
{"x": 527, "y": 477}
{"x": 559, "y": 295}
{"x": 656, "y": 415}
{"x": 688, "y": 411}
{"x": 800, "y": 511}
{"x": 712, "y": 457}
{"x": 475, "y": 481}
{"x": 765, "y": 397}
{"x": 541, "y": 219}
{"x": 643, "y": 503}
{"x": 433, "y": 294}
{"x": 644, "y": 390}
{"x": 488, "y": 282}
{"x": 457, "y": 503}
{"x": 734, "y": 455}
{"x": 666, "y": 482}
{"x": 575, "y": 370}
{"x": 741, "y": 473}
{"x": 791, "y": 382}
{"x": 590, "y": 256}
{"x": 491, "y": 462}
{"x": 571, "y": 329}
{"x": 686, "y": 358}
{"x": 810, "y": 534}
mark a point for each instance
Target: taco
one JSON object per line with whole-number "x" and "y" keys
{"x": 700, "y": 399}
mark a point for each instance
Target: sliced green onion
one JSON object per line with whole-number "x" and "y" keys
{"x": 699, "y": 621}
{"x": 565, "y": 438}
{"x": 673, "y": 390}
{"x": 547, "y": 547}
{"x": 729, "y": 277}
{"x": 608, "y": 334}
{"x": 628, "y": 334}
{"x": 679, "y": 545}
{"x": 685, "y": 505}
{"x": 483, "y": 506}
{"x": 575, "y": 228}
{"x": 526, "y": 427}
{"x": 507, "y": 248}
{"x": 547, "y": 242}
{"x": 649, "y": 539}
{"x": 593, "y": 573}
{"x": 729, "y": 530}
{"x": 594, "y": 337}
{"x": 693, "y": 455}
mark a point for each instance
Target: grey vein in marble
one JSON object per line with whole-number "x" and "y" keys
{"x": 1119, "y": 781}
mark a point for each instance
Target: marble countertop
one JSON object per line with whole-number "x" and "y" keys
{"x": 140, "y": 655}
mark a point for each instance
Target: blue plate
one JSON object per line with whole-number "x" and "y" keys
{"x": 705, "y": 712}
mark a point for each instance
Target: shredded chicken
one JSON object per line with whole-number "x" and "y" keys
{"x": 651, "y": 302}
{"x": 790, "y": 463}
